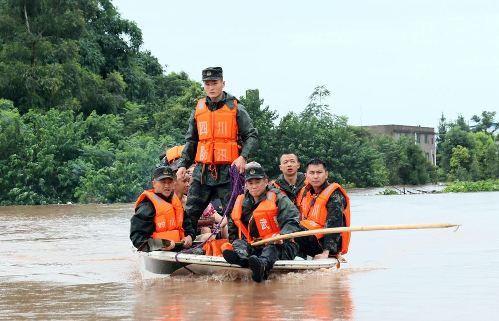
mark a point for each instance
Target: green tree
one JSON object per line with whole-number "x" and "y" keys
{"x": 317, "y": 106}
{"x": 38, "y": 171}
{"x": 485, "y": 123}
{"x": 404, "y": 160}
{"x": 263, "y": 119}
{"x": 486, "y": 156}
{"x": 442, "y": 131}
{"x": 62, "y": 54}
{"x": 347, "y": 150}
{"x": 454, "y": 137}
{"x": 414, "y": 169}
{"x": 460, "y": 163}
{"x": 393, "y": 154}
{"x": 478, "y": 141}
{"x": 127, "y": 176}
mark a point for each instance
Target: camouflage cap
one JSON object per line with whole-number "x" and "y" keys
{"x": 212, "y": 73}
{"x": 162, "y": 172}
{"x": 254, "y": 170}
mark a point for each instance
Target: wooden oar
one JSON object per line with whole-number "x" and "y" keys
{"x": 353, "y": 229}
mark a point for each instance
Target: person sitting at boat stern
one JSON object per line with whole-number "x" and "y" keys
{"x": 323, "y": 205}
{"x": 261, "y": 212}
{"x": 159, "y": 216}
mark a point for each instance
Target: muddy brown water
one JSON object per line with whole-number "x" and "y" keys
{"x": 75, "y": 262}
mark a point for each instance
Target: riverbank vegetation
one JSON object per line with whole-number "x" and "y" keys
{"x": 468, "y": 152}
{"x": 478, "y": 186}
{"x": 85, "y": 114}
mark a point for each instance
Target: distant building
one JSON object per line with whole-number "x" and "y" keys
{"x": 423, "y": 136}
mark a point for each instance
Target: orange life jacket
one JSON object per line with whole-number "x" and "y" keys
{"x": 174, "y": 153}
{"x": 217, "y": 132}
{"x": 314, "y": 217}
{"x": 265, "y": 217}
{"x": 169, "y": 216}
{"x": 215, "y": 247}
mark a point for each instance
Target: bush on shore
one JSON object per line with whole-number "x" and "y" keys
{"x": 491, "y": 185}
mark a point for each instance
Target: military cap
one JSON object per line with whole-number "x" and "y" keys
{"x": 162, "y": 172}
{"x": 254, "y": 170}
{"x": 212, "y": 73}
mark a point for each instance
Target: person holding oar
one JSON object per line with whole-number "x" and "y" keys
{"x": 323, "y": 205}
{"x": 261, "y": 212}
{"x": 325, "y": 218}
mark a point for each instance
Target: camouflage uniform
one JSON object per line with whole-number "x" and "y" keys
{"x": 288, "y": 220}
{"x": 209, "y": 184}
{"x": 291, "y": 190}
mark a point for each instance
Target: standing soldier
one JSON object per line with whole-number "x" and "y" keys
{"x": 290, "y": 181}
{"x": 220, "y": 134}
{"x": 323, "y": 205}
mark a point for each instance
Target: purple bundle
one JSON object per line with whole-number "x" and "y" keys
{"x": 237, "y": 188}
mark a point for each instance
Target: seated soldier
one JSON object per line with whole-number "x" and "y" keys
{"x": 290, "y": 181}
{"x": 323, "y": 205}
{"x": 261, "y": 212}
{"x": 157, "y": 223}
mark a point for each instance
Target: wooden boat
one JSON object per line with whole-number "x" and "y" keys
{"x": 165, "y": 262}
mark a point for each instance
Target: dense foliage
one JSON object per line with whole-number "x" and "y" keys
{"x": 469, "y": 152}
{"x": 85, "y": 113}
{"x": 490, "y": 185}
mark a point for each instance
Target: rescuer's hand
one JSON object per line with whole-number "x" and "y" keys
{"x": 187, "y": 241}
{"x": 219, "y": 218}
{"x": 240, "y": 163}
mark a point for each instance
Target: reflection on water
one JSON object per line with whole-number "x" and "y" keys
{"x": 75, "y": 262}
{"x": 322, "y": 295}
{"x": 54, "y": 301}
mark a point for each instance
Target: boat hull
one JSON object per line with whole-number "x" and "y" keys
{"x": 164, "y": 262}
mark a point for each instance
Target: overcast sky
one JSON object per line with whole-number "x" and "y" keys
{"x": 384, "y": 61}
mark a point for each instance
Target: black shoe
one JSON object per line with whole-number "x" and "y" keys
{"x": 258, "y": 267}
{"x": 233, "y": 258}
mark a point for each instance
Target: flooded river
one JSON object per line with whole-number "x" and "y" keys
{"x": 75, "y": 262}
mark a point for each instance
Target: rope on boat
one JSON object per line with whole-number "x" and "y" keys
{"x": 237, "y": 188}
